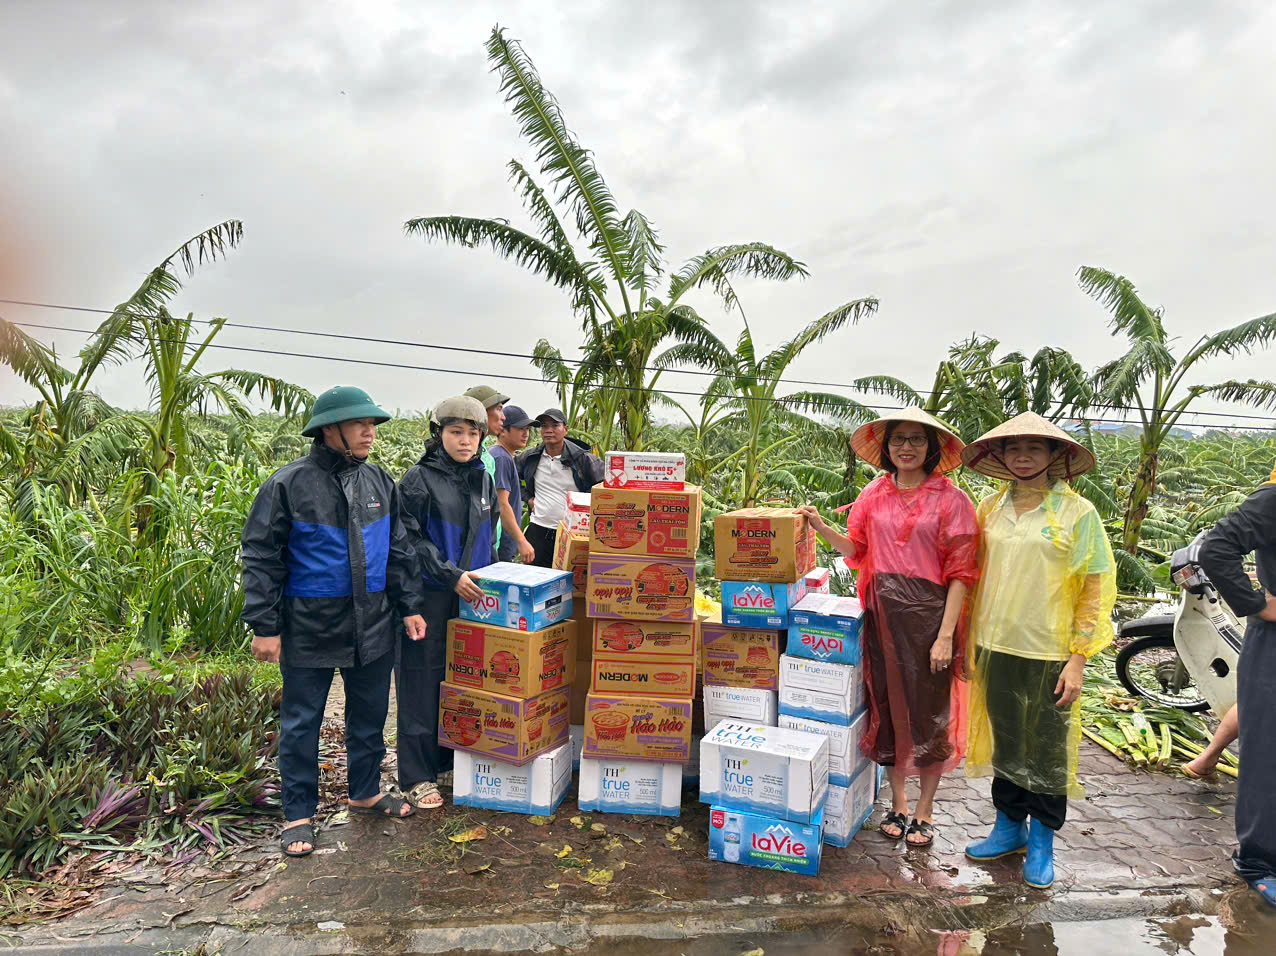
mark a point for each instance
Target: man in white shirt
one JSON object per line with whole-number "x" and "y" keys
{"x": 549, "y": 472}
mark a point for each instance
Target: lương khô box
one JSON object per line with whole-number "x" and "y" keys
{"x": 535, "y": 788}
{"x": 817, "y": 581}
{"x": 647, "y": 589}
{"x": 755, "y": 839}
{"x": 505, "y": 661}
{"x": 768, "y": 770}
{"x": 740, "y": 657}
{"x": 522, "y": 597}
{"x": 643, "y": 728}
{"x": 630, "y": 786}
{"x": 760, "y": 605}
{"x": 578, "y": 510}
{"x": 826, "y": 627}
{"x": 833, "y": 693}
{"x": 650, "y": 523}
{"x": 663, "y": 470}
{"x": 509, "y": 729}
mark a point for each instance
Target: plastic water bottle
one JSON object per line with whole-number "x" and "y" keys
{"x": 512, "y": 609}
{"x": 731, "y": 836}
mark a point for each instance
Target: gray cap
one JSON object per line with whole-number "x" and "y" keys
{"x": 487, "y": 395}
{"x": 460, "y": 408}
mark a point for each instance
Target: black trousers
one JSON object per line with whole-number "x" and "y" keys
{"x": 1255, "y": 858}
{"x": 418, "y": 672}
{"x": 1019, "y": 804}
{"x": 542, "y": 539}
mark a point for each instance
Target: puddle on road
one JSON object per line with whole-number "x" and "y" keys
{"x": 1164, "y": 936}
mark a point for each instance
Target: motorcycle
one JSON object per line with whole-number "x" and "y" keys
{"x": 1186, "y": 659}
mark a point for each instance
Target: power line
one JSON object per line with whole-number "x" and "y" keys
{"x": 529, "y": 378}
{"x": 345, "y": 336}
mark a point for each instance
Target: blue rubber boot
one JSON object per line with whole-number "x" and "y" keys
{"x": 1038, "y": 867}
{"x": 1007, "y": 837}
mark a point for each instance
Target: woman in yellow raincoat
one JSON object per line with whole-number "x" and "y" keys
{"x": 1042, "y": 608}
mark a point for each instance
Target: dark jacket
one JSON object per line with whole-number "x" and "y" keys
{"x": 1251, "y": 527}
{"x": 587, "y": 468}
{"x": 327, "y": 563}
{"x": 449, "y": 510}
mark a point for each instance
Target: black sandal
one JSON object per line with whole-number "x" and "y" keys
{"x": 306, "y": 834}
{"x": 926, "y": 829}
{"x": 388, "y": 806}
{"x": 894, "y": 819}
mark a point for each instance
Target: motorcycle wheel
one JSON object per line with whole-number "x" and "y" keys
{"x": 1145, "y": 666}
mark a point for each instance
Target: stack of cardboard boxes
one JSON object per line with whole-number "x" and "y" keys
{"x": 503, "y": 706}
{"x": 644, "y": 530}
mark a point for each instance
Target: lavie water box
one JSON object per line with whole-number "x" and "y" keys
{"x": 754, "y": 839}
{"x": 845, "y": 759}
{"x": 520, "y": 596}
{"x": 535, "y": 788}
{"x": 826, "y": 627}
{"x": 630, "y": 786}
{"x": 758, "y": 604}
{"x": 768, "y": 770}
{"x": 832, "y": 693}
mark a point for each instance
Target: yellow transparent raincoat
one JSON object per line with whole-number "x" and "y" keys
{"x": 1046, "y": 589}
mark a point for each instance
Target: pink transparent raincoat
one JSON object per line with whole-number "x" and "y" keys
{"x": 909, "y": 545}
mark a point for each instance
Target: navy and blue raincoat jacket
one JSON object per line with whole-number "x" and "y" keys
{"x": 327, "y": 563}
{"x": 450, "y": 516}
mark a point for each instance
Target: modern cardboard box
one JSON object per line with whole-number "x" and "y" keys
{"x": 659, "y": 524}
{"x": 578, "y": 507}
{"x": 630, "y": 786}
{"x": 536, "y": 788}
{"x": 643, "y": 676}
{"x": 643, "y": 728}
{"x": 768, "y": 770}
{"x": 509, "y": 729}
{"x": 571, "y": 553}
{"x": 650, "y": 639}
{"x": 756, "y": 604}
{"x": 831, "y": 693}
{"x": 522, "y": 597}
{"x": 756, "y": 839}
{"x": 642, "y": 589}
{"x": 666, "y": 471}
{"x": 763, "y": 544}
{"x": 743, "y": 704}
{"x": 826, "y": 627}
{"x": 817, "y": 580}
{"x": 845, "y": 759}
{"x": 740, "y": 657}
{"x": 516, "y": 663}
{"x": 848, "y": 808}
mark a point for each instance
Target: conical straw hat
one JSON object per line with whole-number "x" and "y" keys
{"x": 867, "y": 440}
{"x": 984, "y": 453}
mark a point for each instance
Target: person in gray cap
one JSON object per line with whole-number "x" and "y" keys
{"x": 331, "y": 581}
{"x": 450, "y": 517}
{"x": 509, "y": 489}
{"x": 549, "y": 471}
{"x": 493, "y": 401}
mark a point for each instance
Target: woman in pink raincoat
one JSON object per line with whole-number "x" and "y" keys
{"x": 913, "y": 536}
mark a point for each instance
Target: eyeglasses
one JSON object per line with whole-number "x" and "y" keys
{"x": 917, "y": 441}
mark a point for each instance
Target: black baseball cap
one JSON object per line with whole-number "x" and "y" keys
{"x": 515, "y": 417}
{"x": 554, "y": 414}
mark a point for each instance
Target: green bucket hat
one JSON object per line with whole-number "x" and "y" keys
{"x": 341, "y": 404}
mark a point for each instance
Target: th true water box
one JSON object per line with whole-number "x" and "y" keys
{"x": 832, "y": 693}
{"x": 826, "y": 627}
{"x": 535, "y": 788}
{"x": 749, "y": 705}
{"x": 769, "y": 770}
{"x": 520, "y": 596}
{"x": 848, "y": 808}
{"x": 630, "y": 786}
{"x": 845, "y": 759}
{"x": 754, "y": 839}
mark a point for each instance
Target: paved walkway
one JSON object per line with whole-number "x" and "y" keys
{"x": 1140, "y": 845}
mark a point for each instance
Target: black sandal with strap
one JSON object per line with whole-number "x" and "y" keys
{"x": 897, "y": 820}
{"x": 388, "y": 806}
{"x": 923, "y": 827}
{"x": 305, "y": 834}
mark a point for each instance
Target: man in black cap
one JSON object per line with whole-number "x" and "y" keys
{"x": 509, "y": 490}
{"x": 549, "y": 471}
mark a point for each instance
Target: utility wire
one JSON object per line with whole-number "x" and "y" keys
{"x": 345, "y": 336}
{"x": 529, "y": 378}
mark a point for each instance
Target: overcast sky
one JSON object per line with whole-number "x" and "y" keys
{"x": 959, "y": 160}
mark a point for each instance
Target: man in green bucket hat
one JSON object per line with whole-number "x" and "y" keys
{"x": 330, "y": 581}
